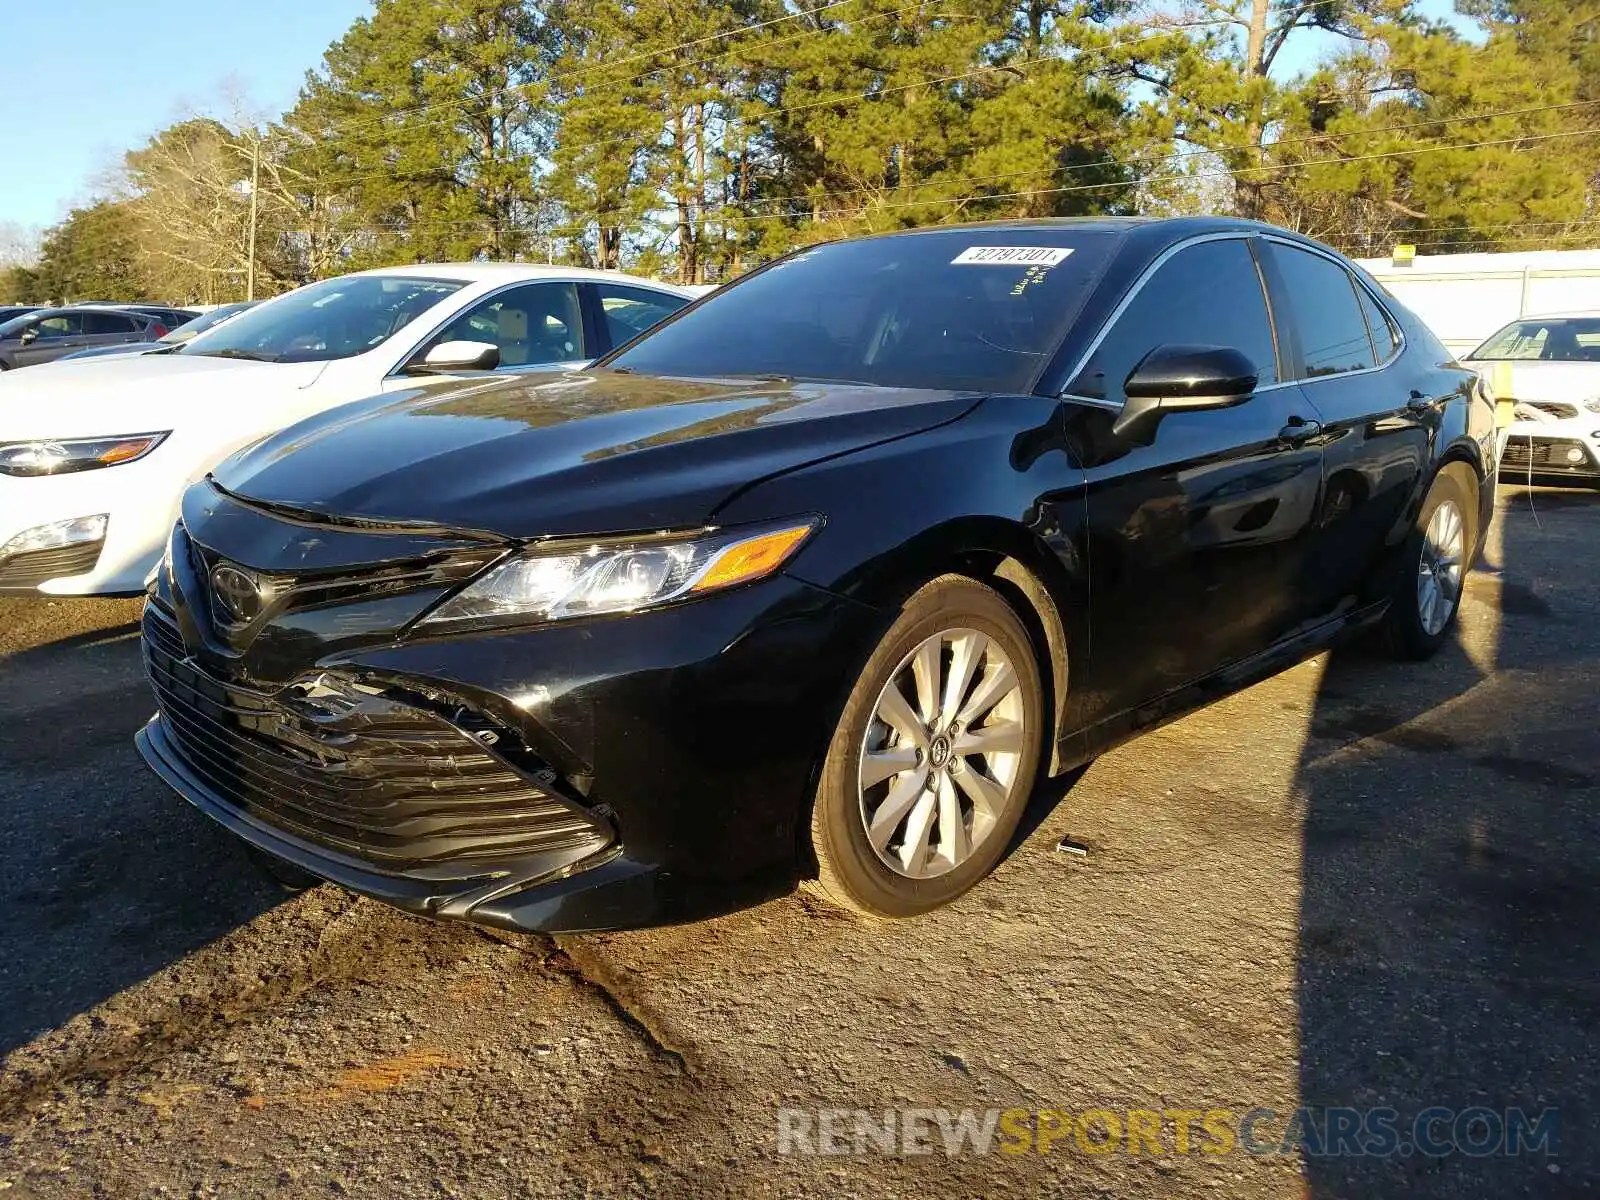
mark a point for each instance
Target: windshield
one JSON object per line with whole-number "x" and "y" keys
{"x": 977, "y": 309}
{"x": 14, "y": 326}
{"x": 1549, "y": 339}
{"x": 192, "y": 329}
{"x": 337, "y": 318}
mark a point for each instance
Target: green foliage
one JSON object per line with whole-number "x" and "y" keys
{"x": 22, "y": 285}
{"x": 92, "y": 255}
{"x": 693, "y": 139}
{"x": 427, "y": 121}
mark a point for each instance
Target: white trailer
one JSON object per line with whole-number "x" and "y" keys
{"x": 1464, "y": 298}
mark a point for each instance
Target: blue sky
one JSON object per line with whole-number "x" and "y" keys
{"x": 85, "y": 80}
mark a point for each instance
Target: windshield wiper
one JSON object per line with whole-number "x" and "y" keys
{"x": 246, "y": 355}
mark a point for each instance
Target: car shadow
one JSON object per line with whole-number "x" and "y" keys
{"x": 1449, "y": 958}
{"x": 107, "y": 874}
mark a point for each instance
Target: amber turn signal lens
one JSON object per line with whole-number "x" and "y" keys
{"x": 747, "y": 560}
{"x": 124, "y": 451}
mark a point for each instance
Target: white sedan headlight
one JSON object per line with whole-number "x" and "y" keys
{"x": 548, "y": 584}
{"x": 47, "y": 457}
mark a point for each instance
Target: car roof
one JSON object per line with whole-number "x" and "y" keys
{"x": 132, "y": 310}
{"x": 1557, "y": 316}
{"x": 1176, "y": 227}
{"x": 505, "y": 272}
{"x": 130, "y": 305}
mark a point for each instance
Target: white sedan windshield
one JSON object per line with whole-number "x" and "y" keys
{"x": 1547, "y": 339}
{"x": 337, "y": 318}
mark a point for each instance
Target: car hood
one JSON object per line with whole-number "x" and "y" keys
{"x": 135, "y": 393}
{"x": 106, "y": 352}
{"x": 589, "y": 452}
{"x": 1568, "y": 381}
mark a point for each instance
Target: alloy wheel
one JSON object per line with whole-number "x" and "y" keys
{"x": 1439, "y": 569}
{"x": 942, "y": 753}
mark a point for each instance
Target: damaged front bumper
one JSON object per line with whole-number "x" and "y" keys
{"x": 581, "y": 887}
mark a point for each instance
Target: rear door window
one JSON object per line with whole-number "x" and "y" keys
{"x": 1384, "y": 340}
{"x": 629, "y": 311}
{"x": 105, "y": 322}
{"x": 1333, "y": 332}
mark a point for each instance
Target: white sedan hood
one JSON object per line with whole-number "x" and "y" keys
{"x": 145, "y": 393}
{"x": 1572, "y": 382}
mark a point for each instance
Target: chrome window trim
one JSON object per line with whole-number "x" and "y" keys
{"x": 398, "y": 370}
{"x": 1355, "y": 277}
{"x": 1160, "y": 260}
{"x": 1156, "y": 264}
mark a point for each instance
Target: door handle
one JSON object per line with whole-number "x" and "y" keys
{"x": 1299, "y": 429}
{"x": 1418, "y": 403}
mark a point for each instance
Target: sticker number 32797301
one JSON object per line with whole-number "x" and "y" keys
{"x": 1010, "y": 256}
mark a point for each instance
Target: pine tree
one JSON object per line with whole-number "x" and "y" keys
{"x": 429, "y": 117}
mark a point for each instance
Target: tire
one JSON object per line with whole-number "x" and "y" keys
{"x": 1413, "y": 629}
{"x": 977, "y": 636}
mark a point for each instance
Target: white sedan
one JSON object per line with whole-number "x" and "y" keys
{"x": 95, "y": 454}
{"x": 1549, "y": 367}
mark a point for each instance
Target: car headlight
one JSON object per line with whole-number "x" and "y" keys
{"x": 553, "y": 583}
{"x": 48, "y": 457}
{"x": 1592, "y": 404}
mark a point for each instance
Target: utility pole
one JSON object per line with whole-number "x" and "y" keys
{"x": 255, "y": 186}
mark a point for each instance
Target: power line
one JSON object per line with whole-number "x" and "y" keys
{"x": 1592, "y": 237}
{"x": 413, "y": 110}
{"x": 1147, "y": 180}
{"x": 1134, "y": 183}
{"x": 338, "y": 181}
{"x": 842, "y": 102}
{"x": 779, "y": 201}
{"x": 1205, "y": 152}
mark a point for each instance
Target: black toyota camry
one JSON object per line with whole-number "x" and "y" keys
{"x": 814, "y": 581}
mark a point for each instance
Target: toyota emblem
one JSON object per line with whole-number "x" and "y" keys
{"x": 236, "y": 596}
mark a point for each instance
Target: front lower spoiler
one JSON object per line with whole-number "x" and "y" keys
{"x": 571, "y": 891}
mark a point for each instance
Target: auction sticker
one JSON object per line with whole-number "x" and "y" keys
{"x": 1010, "y": 256}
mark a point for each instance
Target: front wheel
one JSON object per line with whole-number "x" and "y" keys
{"x": 1433, "y": 567}
{"x": 934, "y": 756}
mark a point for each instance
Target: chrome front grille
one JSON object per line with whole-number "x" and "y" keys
{"x": 276, "y": 594}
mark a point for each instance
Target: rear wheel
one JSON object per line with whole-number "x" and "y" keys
{"x": 934, "y": 756}
{"x": 1426, "y": 598}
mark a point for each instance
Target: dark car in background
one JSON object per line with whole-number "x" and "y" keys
{"x": 164, "y": 314}
{"x": 51, "y": 333}
{"x": 173, "y": 337}
{"x": 815, "y": 579}
{"x": 10, "y": 311}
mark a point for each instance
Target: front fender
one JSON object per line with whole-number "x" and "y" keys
{"x": 993, "y": 495}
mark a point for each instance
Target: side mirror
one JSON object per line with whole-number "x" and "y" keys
{"x": 457, "y": 356}
{"x": 29, "y": 335}
{"x": 1182, "y": 379}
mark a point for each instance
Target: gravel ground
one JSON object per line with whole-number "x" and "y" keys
{"x": 1357, "y": 884}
